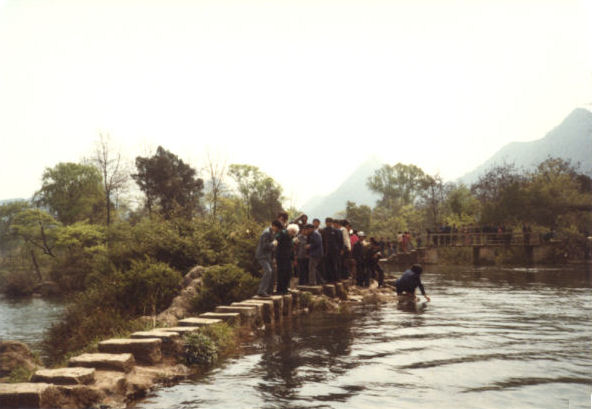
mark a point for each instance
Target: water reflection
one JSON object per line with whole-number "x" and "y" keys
{"x": 489, "y": 338}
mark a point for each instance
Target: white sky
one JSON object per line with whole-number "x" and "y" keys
{"x": 442, "y": 84}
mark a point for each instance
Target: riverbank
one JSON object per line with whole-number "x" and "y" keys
{"x": 124, "y": 369}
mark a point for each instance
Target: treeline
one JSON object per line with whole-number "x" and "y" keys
{"x": 81, "y": 238}
{"x": 554, "y": 196}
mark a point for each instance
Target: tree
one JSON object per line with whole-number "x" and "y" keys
{"x": 432, "y": 196}
{"x": 215, "y": 184}
{"x": 399, "y": 184}
{"x": 260, "y": 193}
{"x": 358, "y": 216}
{"x": 168, "y": 183}
{"x": 72, "y": 192}
{"x": 115, "y": 176}
{"x": 38, "y": 231}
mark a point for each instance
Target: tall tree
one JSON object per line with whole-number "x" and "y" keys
{"x": 169, "y": 183}
{"x": 115, "y": 176}
{"x": 359, "y": 216}
{"x": 72, "y": 192}
{"x": 261, "y": 194}
{"x": 432, "y": 196}
{"x": 216, "y": 172}
{"x": 399, "y": 184}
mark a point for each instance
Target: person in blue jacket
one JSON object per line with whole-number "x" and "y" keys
{"x": 409, "y": 281}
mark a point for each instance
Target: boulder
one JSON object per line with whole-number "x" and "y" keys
{"x": 145, "y": 350}
{"x": 13, "y": 355}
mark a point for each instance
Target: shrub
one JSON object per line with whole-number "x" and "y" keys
{"x": 17, "y": 284}
{"x": 223, "y": 285}
{"x": 199, "y": 349}
{"x": 223, "y": 336}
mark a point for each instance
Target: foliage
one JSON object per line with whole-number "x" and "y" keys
{"x": 16, "y": 283}
{"x": 169, "y": 184}
{"x": 110, "y": 304}
{"x": 260, "y": 193}
{"x": 72, "y": 192}
{"x": 223, "y": 285}
{"x": 399, "y": 184}
{"x": 358, "y": 216}
{"x": 199, "y": 349}
{"x": 223, "y": 335}
{"x": 20, "y": 374}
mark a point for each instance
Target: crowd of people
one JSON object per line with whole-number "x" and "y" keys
{"x": 318, "y": 254}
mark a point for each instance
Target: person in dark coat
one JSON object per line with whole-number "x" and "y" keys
{"x": 264, "y": 255}
{"x": 285, "y": 256}
{"x": 314, "y": 248}
{"x": 374, "y": 255}
{"x": 331, "y": 248}
{"x": 409, "y": 281}
{"x": 360, "y": 255}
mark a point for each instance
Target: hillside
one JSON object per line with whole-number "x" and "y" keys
{"x": 353, "y": 188}
{"x": 572, "y": 139}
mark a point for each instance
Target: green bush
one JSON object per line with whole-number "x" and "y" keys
{"x": 110, "y": 305}
{"x": 200, "y": 349}
{"x": 223, "y": 285}
{"x": 223, "y": 335}
{"x": 17, "y": 283}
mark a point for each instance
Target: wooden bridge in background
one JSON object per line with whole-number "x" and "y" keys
{"x": 460, "y": 239}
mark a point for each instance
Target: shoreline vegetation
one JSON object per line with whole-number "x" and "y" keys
{"x": 83, "y": 237}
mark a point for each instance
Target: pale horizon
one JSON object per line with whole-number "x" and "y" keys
{"x": 443, "y": 85}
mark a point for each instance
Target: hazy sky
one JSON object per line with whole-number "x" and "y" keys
{"x": 442, "y": 84}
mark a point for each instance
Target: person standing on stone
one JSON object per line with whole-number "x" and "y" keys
{"x": 360, "y": 255}
{"x": 346, "y": 256}
{"x": 302, "y": 256}
{"x": 264, "y": 255}
{"x": 316, "y": 223}
{"x": 285, "y": 256}
{"x": 315, "y": 255}
{"x": 332, "y": 248}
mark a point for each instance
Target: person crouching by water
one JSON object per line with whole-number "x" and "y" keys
{"x": 284, "y": 256}
{"x": 409, "y": 281}
{"x": 264, "y": 255}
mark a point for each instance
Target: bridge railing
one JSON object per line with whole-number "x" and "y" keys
{"x": 472, "y": 239}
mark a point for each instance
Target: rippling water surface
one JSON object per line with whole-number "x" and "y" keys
{"x": 26, "y": 319}
{"x": 490, "y": 338}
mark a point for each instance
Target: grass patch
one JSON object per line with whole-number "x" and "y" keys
{"x": 206, "y": 346}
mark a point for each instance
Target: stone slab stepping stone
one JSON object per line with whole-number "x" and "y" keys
{"x": 346, "y": 283}
{"x": 180, "y": 330}
{"x": 340, "y": 291}
{"x": 329, "y": 290}
{"x": 198, "y": 322}
{"x": 314, "y": 289}
{"x": 287, "y": 307}
{"x": 267, "y": 309}
{"x": 25, "y": 395}
{"x": 146, "y": 350}
{"x": 247, "y": 314}
{"x": 156, "y": 333}
{"x": 65, "y": 376}
{"x": 295, "y": 299}
{"x": 231, "y": 318}
{"x": 278, "y": 304}
{"x": 169, "y": 338}
{"x": 107, "y": 362}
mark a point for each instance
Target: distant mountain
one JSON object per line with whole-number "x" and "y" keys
{"x": 5, "y": 201}
{"x": 353, "y": 189}
{"x": 572, "y": 139}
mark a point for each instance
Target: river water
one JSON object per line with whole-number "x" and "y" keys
{"x": 26, "y": 319}
{"x": 490, "y": 338}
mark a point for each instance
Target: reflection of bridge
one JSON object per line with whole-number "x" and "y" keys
{"x": 482, "y": 239}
